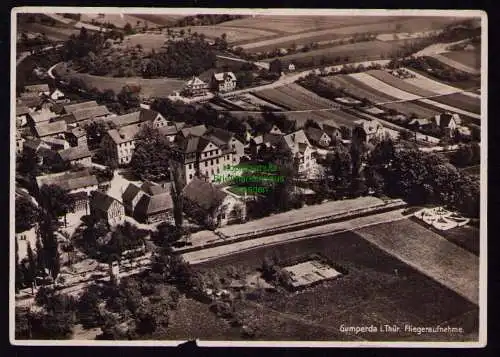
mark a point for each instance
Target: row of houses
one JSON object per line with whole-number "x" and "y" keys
{"x": 219, "y": 82}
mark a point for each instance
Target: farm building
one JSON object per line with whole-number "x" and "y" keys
{"x": 223, "y": 82}
{"x": 57, "y": 95}
{"x": 76, "y": 136}
{"x": 71, "y": 108}
{"x": 43, "y": 115}
{"x": 368, "y": 130}
{"x": 447, "y": 122}
{"x": 107, "y": 208}
{"x": 210, "y": 206}
{"x": 55, "y": 129}
{"x": 291, "y": 67}
{"x": 143, "y": 115}
{"x": 195, "y": 87}
{"x": 56, "y": 143}
{"x": 38, "y": 89}
{"x": 171, "y": 130}
{"x": 149, "y": 203}
{"x": 22, "y": 113}
{"x": 333, "y": 132}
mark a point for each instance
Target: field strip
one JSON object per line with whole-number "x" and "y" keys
{"x": 472, "y": 95}
{"x": 457, "y": 65}
{"x": 383, "y": 87}
{"x": 451, "y": 109}
{"x": 400, "y": 84}
{"x": 432, "y": 85}
{"x": 431, "y": 254}
{"x": 204, "y": 255}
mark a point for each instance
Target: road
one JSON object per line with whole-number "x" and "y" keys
{"x": 205, "y": 255}
{"x": 26, "y": 54}
{"x": 264, "y": 65}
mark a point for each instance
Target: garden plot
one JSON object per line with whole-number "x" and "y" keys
{"x": 310, "y": 99}
{"x": 358, "y": 89}
{"x": 259, "y": 102}
{"x": 399, "y": 83}
{"x": 383, "y": 87}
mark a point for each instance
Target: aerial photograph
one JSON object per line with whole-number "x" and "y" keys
{"x": 246, "y": 177}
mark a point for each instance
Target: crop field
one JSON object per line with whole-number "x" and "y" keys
{"x": 162, "y": 20}
{"x": 430, "y": 84}
{"x": 233, "y": 34}
{"x": 470, "y": 59}
{"x": 433, "y": 106}
{"x": 383, "y": 87}
{"x": 459, "y": 65}
{"x": 377, "y": 289}
{"x": 294, "y": 97}
{"x": 320, "y": 28}
{"x": 410, "y": 108}
{"x": 461, "y": 101}
{"x": 158, "y": 87}
{"x": 120, "y": 20}
{"x": 355, "y": 52}
{"x": 399, "y": 83}
{"x": 357, "y": 88}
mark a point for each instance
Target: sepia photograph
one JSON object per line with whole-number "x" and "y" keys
{"x": 248, "y": 177}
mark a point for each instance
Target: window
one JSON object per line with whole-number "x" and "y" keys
{"x": 216, "y": 152}
{"x": 217, "y": 161}
{"x": 205, "y": 163}
{"x": 227, "y": 157}
{"x": 212, "y": 162}
{"x": 190, "y": 176}
{"x": 234, "y": 146}
{"x": 190, "y": 166}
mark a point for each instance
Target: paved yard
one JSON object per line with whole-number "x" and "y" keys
{"x": 301, "y": 215}
{"x": 429, "y": 253}
{"x": 119, "y": 184}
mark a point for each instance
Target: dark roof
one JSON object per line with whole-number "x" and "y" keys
{"x": 125, "y": 133}
{"x": 70, "y": 108}
{"x": 34, "y": 144}
{"x": 445, "y": 119}
{"x": 273, "y": 139}
{"x": 77, "y": 132}
{"x": 68, "y": 180}
{"x": 130, "y": 193}
{"x": 101, "y": 201}
{"x": 21, "y": 109}
{"x": 204, "y": 194}
{"x": 152, "y": 188}
{"x": 37, "y": 88}
{"x": 330, "y": 129}
{"x": 192, "y": 144}
{"x": 221, "y": 134}
{"x": 45, "y": 129}
{"x": 314, "y": 134}
{"x": 68, "y": 118}
{"x": 154, "y": 204}
{"x": 75, "y": 153}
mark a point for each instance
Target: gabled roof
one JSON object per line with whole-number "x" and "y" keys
{"x": 223, "y": 75}
{"x": 443, "y": 120}
{"x": 131, "y": 191}
{"x": 197, "y": 130}
{"x": 195, "y": 81}
{"x": 90, "y": 113}
{"x": 75, "y": 153}
{"x": 192, "y": 144}
{"x": 68, "y": 180}
{"x": 419, "y": 122}
{"x": 34, "y": 144}
{"x": 77, "y": 132}
{"x": 148, "y": 205}
{"x": 222, "y": 135}
{"x": 46, "y": 129}
{"x": 21, "y": 110}
{"x": 101, "y": 201}
{"x": 330, "y": 129}
{"x": 68, "y": 118}
{"x": 135, "y": 117}
{"x": 54, "y": 141}
{"x": 314, "y": 134}
{"x": 124, "y": 134}
{"x": 70, "y": 108}
{"x": 37, "y": 88}
{"x": 42, "y": 115}
{"x": 203, "y": 194}
{"x": 169, "y": 129}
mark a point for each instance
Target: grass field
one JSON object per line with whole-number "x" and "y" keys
{"x": 120, "y": 20}
{"x": 459, "y": 65}
{"x": 470, "y": 59}
{"x": 377, "y": 289}
{"x": 355, "y": 52}
{"x": 54, "y": 33}
{"x": 147, "y": 41}
{"x": 436, "y": 109}
{"x": 400, "y": 84}
{"x": 409, "y": 108}
{"x": 233, "y": 34}
{"x": 461, "y": 101}
{"x": 159, "y": 87}
{"x": 465, "y": 84}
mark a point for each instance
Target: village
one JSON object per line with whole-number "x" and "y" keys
{"x": 126, "y": 202}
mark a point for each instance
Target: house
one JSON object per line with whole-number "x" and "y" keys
{"x": 78, "y": 184}
{"x": 71, "y": 108}
{"x": 55, "y": 129}
{"x": 35, "y": 144}
{"x": 23, "y": 239}
{"x": 57, "y": 95}
{"x": 19, "y": 143}
{"x": 149, "y": 203}
{"x": 171, "y": 130}
{"x": 76, "y": 136}
{"x": 302, "y": 150}
{"x": 43, "y": 115}
{"x": 447, "y": 122}
{"x": 318, "y": 137}
{"x": 210, "y": 206}
{"x": 38, "y": 89}
{"x": 143, "y": 115}
{"x": 119, "y": 144}
{"x": 275, "y": 130}
{"x": 368, "y": 130}
{"x": 77, "y": 155}
{"x": 291, "y": 67}
{"x": 197, "y": 130}
{"x": 228, "y": 142}
{"x": 22, "y": 113}
{"x": 464, "y": 132}
{"x": 333, "y": 132}
{"x": 107, "y": 208}
{"x": 195, "y": 87}
{"x": 223, "y": 82}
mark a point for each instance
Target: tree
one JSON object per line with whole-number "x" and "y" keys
{"x": 463, "y": 156}
{"x": 129, "y": 97}
{"x": 146, "y": 322}
{"x": 128, "y": 29}
{"x": 276, "y": 66}
{"x": 40, "y": 265}
{"x": 28, "y": 163}
{"x": 26, "y": 214}
{"x": 56, "y": 201}
{"x": 88, "y": 312}
{"x": 50, "y": 245}
{"x": 310, "y": 123}
{"x": 339, "y": 166}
